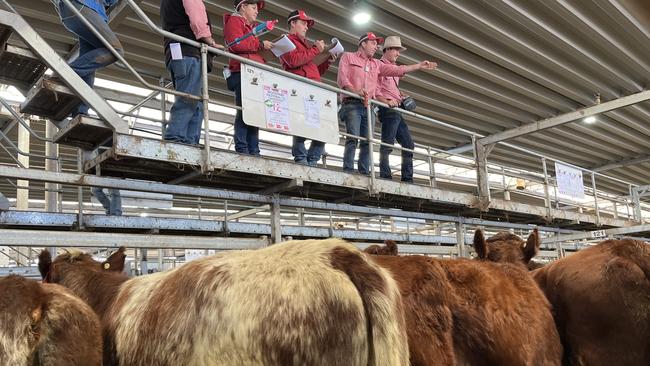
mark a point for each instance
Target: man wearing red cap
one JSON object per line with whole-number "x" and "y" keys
{"x": 300, "y": 61}
{"x": 359, "y": 73}
{"x": 237, "y": 24}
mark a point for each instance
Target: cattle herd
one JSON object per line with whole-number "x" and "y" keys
{"x": 324, "y": 302}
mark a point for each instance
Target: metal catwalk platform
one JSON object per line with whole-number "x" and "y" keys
{"x": 149, "y": 159}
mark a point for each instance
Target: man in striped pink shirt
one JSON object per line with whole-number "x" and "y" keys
{"x": 359, "y": 73}
{"x": 393, "y": 126}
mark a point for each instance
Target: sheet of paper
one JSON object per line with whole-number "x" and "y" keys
{"x": 175, "y": 49}
{"x": 312, "y": 112}
{"x": 276, "y": 104}
{"x": 282, "y": 46}
{"x": 337, "y": 47}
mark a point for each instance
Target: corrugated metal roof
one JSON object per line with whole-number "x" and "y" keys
{"x": 502, "y": 64}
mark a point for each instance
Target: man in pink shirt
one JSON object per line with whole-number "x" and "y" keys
{"x": 393, "y": 125}
{"x": 189, "y": 19}
{"x": 359, "y": 73}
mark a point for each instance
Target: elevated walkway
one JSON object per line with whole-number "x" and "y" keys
{"x": 149, "y": 159}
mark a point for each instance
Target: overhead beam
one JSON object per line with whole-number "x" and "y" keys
{"x": 186, "y": 177}
{"x": 622, "y": 163}
{"x": 566, "y": 118}
{"x": 282, "y": 187}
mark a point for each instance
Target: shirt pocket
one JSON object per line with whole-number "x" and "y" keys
{"x": 357, "y": 64}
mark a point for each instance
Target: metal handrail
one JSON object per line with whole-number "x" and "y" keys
{"x": 20, "y": 152}
{"x": 20, "y": 120}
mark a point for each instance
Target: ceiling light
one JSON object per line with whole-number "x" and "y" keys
{"x": 361, "y": 18}
{"x": 590, "y": 119}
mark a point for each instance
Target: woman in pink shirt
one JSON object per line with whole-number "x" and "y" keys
{"x": 359, "y": 73}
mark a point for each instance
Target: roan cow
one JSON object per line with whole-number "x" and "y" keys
{"x": 311, "y": 302}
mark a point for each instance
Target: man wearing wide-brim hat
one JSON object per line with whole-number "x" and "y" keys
{"x": 393, "y": 126}
{"x": 301, "y": 61}
{"x": 359, "y": 73}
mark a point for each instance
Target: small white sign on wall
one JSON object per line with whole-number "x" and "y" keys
{"x": 569, "y": 181}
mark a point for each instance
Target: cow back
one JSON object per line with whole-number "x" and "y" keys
{"x": 313, "y": 302}
{"x": 72, "y": 331}
{"x": 428, "y": 302}
{"x": 601, "y": 301}
{"x": 500, "y": 317}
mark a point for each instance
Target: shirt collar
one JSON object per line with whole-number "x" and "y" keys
{"x": 362, "y": 55}
{"x": 385, "y": 60}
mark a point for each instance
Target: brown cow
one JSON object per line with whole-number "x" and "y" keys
{"x": 601, "y": 302}
{"x": 46, "y": 325}
{"x": 312, "y": 302}
{"x": 475, "y": 313}
{"x": 389, "y": 248}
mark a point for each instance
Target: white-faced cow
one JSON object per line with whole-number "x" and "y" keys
{"x": 46, "y": 325}
{"x": 601, "y": 301}
{"x": 312, "y": 302}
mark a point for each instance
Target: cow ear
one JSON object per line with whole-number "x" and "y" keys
{"x": 115, "y": 262}
{"x": 44, "y": 263}
{"x": 391, "y": 247}
{"x": 480, "y": 246}
{"x": 532, "y": 246}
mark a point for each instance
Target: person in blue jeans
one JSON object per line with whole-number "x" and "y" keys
{"x": 188, "y": 19}
{"x": 393, "y": 126}
{"x": 355, "y": 116}
{"x": 93, "y": 54}
{"x": 112, "y": 205}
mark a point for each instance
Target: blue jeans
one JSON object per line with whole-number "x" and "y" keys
{"x": 186, "y": 115}
{"x": 247, "y": 140}
{"x": 93, "y": 54}
{"x": 303, "y": 156}
{"x": 113, "y": 206}
{"x": 394, "y": 128}
{"x": 355, "y": 116}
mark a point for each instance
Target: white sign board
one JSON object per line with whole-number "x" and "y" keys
{"x": 569, "y": 181}
{"x": 281, "y": 104}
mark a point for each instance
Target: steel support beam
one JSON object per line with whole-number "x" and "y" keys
{"x": 282, "y": 187}
{"x": 566, "y": 118}
{"x": 622, "y": 163}
{"x": 61, "y": 68}
{"x": 245, "y": 213}
{"x": 460, "y": 239}
{"x": 481, "y": 152}
{"x": 276, "y": 223}
{"x": 41, "y": 238}
{"x": 51, "y": 165}
{"x": 185, "y": 178}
